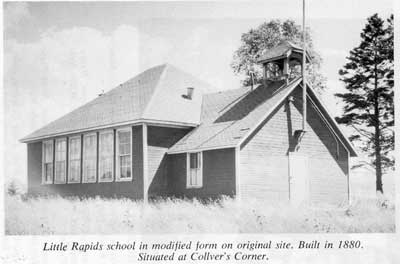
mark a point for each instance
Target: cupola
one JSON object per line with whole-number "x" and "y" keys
{"x": 283, "y": 62}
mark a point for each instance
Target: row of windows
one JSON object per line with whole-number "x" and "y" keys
{"x": 83, "y": 156}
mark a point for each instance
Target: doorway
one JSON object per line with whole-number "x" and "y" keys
{"x": 298, "y": 179}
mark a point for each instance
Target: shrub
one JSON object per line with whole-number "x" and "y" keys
{"x": 14, "y": 188}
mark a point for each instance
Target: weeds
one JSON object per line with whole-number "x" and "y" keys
{"x": 56, "y": 215}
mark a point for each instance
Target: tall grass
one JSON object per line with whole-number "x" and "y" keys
{"x": 56, "y": 215}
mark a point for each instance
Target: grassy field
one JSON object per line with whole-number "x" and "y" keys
{"x": 56, "y": 215}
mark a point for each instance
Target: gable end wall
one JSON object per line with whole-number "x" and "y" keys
{"x": 264, "y": 166}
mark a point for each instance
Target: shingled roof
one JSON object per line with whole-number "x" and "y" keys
{"x": 229, "y": 116}
{"x": 145, "y": 98}
{"x": 282, "y": 50}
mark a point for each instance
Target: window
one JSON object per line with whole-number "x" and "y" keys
{"x": 74, "y": 169}
{"x": 194, "y": 177}
{"x": 61, "y": 161}
{"x": 47, "y": 176}
{"x": 106, "y": 156}
{"x": 124, "y": 158}
{"x": 89, "y": 157}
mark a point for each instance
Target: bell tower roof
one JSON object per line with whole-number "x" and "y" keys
{"x": 283, "y": 50}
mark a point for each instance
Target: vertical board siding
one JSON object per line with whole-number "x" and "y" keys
{"x": 131, "y": 189}
{"x": 264, "y": 160}
{"x": 218, "y": 174}
{"x": 159, "y": 140}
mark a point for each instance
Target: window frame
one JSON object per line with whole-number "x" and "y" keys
{"x": 56, "y": 180}
{"x": 80, "y": 159}
{"x": 117, "y": 156}
{"x": 200, "y": 169}
{"x": 44, "y": 161}
{"x": 111, "y": 131}
{"x": 84, "y": 178}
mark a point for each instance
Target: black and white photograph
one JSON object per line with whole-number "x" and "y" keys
{"x": 200, "y": 118}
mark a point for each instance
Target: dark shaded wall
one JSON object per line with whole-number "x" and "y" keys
{"x": 131, "y": 189}
{"x": 159, "y": 140}
{"x": 218, "y": 174}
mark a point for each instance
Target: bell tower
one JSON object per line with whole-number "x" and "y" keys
{"x": 283, "y": 62}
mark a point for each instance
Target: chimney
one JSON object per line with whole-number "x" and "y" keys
{"x": 189, "y": 93}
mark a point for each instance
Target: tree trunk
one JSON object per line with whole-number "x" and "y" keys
{"x": 378, "y": 158}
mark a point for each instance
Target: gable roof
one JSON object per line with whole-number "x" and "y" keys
{"x": 282, "y": 50}
{"x": 144, "y": 98}
{"x": 230, "y": 117}
{"x": 227, "y": 117}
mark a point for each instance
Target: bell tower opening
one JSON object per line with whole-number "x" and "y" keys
{"x": 283, "y": 62}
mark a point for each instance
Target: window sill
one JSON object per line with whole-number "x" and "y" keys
{"x": 73, "y": 182}
{"x": 124, "y": 180}
{"x": 106, "y": 180}
{"x": 60, "y": 182}
{"x": 194, "y": 187}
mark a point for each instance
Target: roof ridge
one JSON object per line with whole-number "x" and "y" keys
{"x": 228, "y": 90}
{"x": 290, "y": 86}
{"x": 107, "y": 97}
{"x": 156, "y": 88}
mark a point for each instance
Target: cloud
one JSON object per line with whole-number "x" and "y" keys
{"x": 155, "y": 50}
{"x": 47, "y": 78}
{"x": 73, "y": 64}
{"x": 15, "y": 13}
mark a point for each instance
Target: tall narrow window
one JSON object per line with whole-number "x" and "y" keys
{"x": 89, "y": 157}
{"x": 47, "y": 162}
{"x": 124, "y": 157}
{"x": 106, "y": 156}
{"x": 74, "y": 169}
{"x": 194, "y": 177}
{"x": 61, "y": 161}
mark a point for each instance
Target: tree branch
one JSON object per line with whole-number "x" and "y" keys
{"x": 363, "y": 132}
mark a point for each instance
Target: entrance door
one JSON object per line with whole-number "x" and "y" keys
{"x": 298, "y": 178}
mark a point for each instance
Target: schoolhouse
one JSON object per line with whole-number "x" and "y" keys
{"x": 162, "y": 133}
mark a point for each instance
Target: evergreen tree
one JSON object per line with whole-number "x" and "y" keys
{"x": 368, "y": 77}
{"x": 266, "y": 36}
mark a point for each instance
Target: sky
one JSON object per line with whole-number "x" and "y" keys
{"x": 59, "y": 55}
